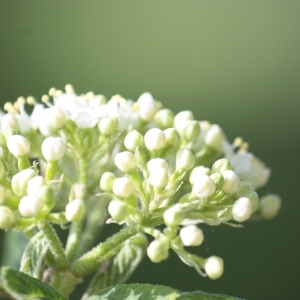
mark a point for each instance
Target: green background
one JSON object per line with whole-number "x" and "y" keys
{"x": 235, "y": 63}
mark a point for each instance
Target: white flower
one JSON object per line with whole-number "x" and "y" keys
{"x": 269, "y": 206}
{"x": 30, "y": 206}
{"x": 123, "y": 187}
{"x": 154, "y": 139}
{"x": 9, "y": 121}
{"x": 53, "y": 149}
{"x": 56, "y": 117}
{"x": 75, "y": 210}
{"x": 18, "y": 145}
{"x": 191, "y": 235}
{"x": 6, "y": 217}
{"x": 247, "y": 166}
{"x": 214, "y": 267}
{"x": 125, "y": 161}
{"x": 231, "y": 182}
{"x": 242, "y": 209}
{"x": 203, "y": 187}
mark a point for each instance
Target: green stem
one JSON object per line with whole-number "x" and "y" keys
{"x": 54, "y": 245}
{"x": 90, "y": 261}
{"x": 76, "y": 227}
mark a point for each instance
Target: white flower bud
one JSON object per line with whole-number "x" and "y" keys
{"x": 218, "y": 180}
{"x": 9, "y": 121}
{"x": 56, "y": 117}
{"x": 242, "y": 209}
{"x": 198, "y": 171}
{"x": 34, "y": 184}
{"x": 185, "y": 160}
{"x": 6, "y": 217}
{"x": 18, "y": 145}
{"x": 155, "y": 163}
{"x": 159, "y": 178}
{"x": 106, "y": 181}
{"x": 253, "y": 197}
{"x": 181, "y": 118}
{"x": 164, "y": 118}
{"x": 269, "y": 206}
{"x": 157, "y": 251}
{"x": 118, "y": 210}
{"x": 173, "y": 216}
{"x": 231, "y": 182}
{"x": 46, "y": 195}
{"x": 75, "y": 210}
{"x": 243, "y": 188}
{"x": 125, "y": 161}
{"x": 203, "y": 187}
{"x": 53, "y": 148}
{"x": 214, "y": 137}
{"x": 19, "y": 181}
{"x": 30, "y": 206}
{"x": 214, "y": 267}
{"x": 221, "y": 165}
{"x": 133, "y": 139}
{"x": 189, "y": 130}
{"x": 172, "y": 136}
{"x": 123, "y": 187}
{"x": 148, "y": 107}
{"x": 191, "y": 235}
{"x": 108, "y": 125}
{"x": 154, "y": 139}
{"x": 1, "y": 196}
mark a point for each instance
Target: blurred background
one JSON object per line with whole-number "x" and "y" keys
{"x": 235, "y": 63}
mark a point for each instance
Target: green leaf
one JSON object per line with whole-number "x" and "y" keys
{"x": 24, "y": 287}
{"x": 198, "y": 295}
{"x": 118, "y": 270}
{"x": 33, "y": 259}
{"x": 136, "y": 292}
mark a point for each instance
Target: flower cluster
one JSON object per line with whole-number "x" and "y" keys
{"x": 89, "y": 161}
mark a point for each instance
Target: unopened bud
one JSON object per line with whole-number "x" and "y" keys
{"x": 203, "y": 187}
{"x": 172, "y": 136}
{"x": 106, "y": 181}
{"x": 214, "y": 267}
{"x": 53, "y": 148}
{"x": 185, "y": 160}
{"x": 242, "y": 209}
{"x": 218, "y": 180}
{"x": 34, "y": 184}
{"x": 46, "y": 195}
{"x": 123, "y": 187}
{"x": 108, "y": 125}
{"x": 155, "y": 163}
{"x": 164, "y": 118}
{"x": 191, "y": 235}
{"x": 173, "y": 216}
{"x": 190, "y": 130}
{"x": 269, "y": 206}
{"x": 198, "y": 171}
{"x": 19, "y": 181}
{"x": 57, "y": 117}
{"x": 75, "y": 210}
{"x": 18, "y": 145}
{"x": 154, "y": 139}
{"x": 9, "y": 121}
{"x": 214, "y": 137}
{"x": 7, "y": 218}
{"x": 221, "y": 165}
{"x": 231, "y": 182}
{"x": 181, "y": 118}
{"x": 118, "y": 210}
{"x": 159, "y": 178}
{"x": 148, "y": 107}
{"x": 125, "y": 161}
{"x": 158, "y": 251}
{"x": 133, "y": 139}
{"x": 30, "y": 206}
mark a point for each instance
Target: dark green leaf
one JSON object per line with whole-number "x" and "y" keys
{"x": 136, "y": 292}
{"x": 198, "y": 295}
{"x": 24, "y": 287}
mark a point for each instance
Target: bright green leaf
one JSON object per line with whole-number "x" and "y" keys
{"x": 136, "y": 292}
{"x": 22, "y": 286}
